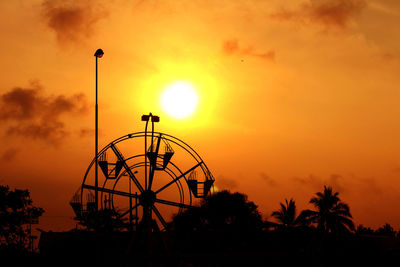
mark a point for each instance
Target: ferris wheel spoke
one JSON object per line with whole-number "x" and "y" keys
{"x": 126, "y": 167}
{"x": 111, "y": 191}
{"x": 179, "y": 177}
{"x": 159, "y": 216}
{"x": 129, "y": 210}
{"x": 172, "y": 203}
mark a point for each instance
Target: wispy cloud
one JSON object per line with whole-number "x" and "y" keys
{"x": 9, "y": 154}
{"x": 334, "y": 180}
{"x": 379, "y": 6}
{"x": 268, "y": 180}
{"x": 72, "y": 21}
{"x": 340, "y": 183}
{"x": 225, "y": 183}
{"x": 31, "y": 114}
{"x": 232, "y": 47}
{"x": 86, "y": 132}
{"x": 328, "y": 13}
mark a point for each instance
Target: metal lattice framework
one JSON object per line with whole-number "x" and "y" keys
{"x": 140, "y": 183}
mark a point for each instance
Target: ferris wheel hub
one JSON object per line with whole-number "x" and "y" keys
{"x": 147, "y": 198}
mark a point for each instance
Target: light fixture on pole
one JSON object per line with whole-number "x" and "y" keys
{"x": 99, "y": 53}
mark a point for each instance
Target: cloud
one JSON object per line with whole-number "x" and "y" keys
{"x": 268, "y": 180}
{"x": 329, "y": 13}
{"x": 336, "y": 181}
{"x": 317, "y": 183}
{"x": 37, "y": 116}
{"x": 9, "y": 154}
{"x": 72, "y": 21}
{"x": 389, "y": 57}
{"x": 371, "y": 185}
{"x": 86, "y": 132}
{"x": 387, "y": 8}
{"x": 225, "y": 183}
{"x": 231, "y": 47}
{"x": 341, "y": 183}
{"x": 52, "y": 131}
{"x": 311, "y": 180}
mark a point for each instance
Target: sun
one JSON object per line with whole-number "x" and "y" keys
{"x": 179, "y": 99}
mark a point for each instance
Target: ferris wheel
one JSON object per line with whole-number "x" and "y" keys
{"x": 144, "y": 176}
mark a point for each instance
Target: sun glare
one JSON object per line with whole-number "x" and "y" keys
{"x": 179, "y": 99}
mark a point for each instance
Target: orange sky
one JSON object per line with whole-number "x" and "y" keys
{"x": 293, "y": 94}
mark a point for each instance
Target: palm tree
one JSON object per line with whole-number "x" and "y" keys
{"x": 331, "y": 215}
{"x": 286, "y": 215}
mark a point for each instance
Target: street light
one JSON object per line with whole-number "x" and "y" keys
{"x": 99, "y": 53}
{"x": 153, "y": 119}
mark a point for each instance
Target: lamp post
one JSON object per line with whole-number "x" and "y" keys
{"x": 148, "y": 196}
{"x": 99, "y": 53}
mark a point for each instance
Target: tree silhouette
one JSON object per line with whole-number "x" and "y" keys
{"x": 386, "y": 230}
{"x": 287, "y": 215}
{"x": 16, "y": 212}
{"x": 106, "y": 220}
{"x": 331, "y": 215}
{"x": 361, "y": 230}
{"x": 222, "y": 211}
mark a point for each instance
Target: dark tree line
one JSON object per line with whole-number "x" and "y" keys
{"x": 232, "y": 211}
{"x": 384, "y": 230}
{"x": 225, "y": 211}
{"x": 225, "y": 226}
{"x": 219, "y": 212}
{"x": 331, "y": 215}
